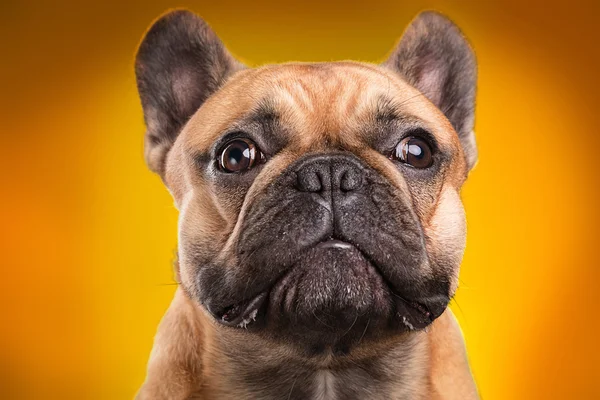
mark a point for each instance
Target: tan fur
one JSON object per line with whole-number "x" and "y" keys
{"x": 186, "y": 364}
{"x": 324, "y": 105}
{"x": 449, "y": 367}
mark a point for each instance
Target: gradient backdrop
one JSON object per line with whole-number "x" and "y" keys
{"x": 88, "y": 233}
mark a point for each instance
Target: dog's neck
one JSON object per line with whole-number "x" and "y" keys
{"x": 202, "y": 360}
{"x": 263, "y": 370}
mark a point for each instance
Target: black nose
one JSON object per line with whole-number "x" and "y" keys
{"x": 322, "y": 173}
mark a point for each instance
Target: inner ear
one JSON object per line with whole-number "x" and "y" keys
{"x": 179, "y": 64}
{"x": 434, "y": 57}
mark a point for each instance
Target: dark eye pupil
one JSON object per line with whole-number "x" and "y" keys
{"x": 236, "y": 156}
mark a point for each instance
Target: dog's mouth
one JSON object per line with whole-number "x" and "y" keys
{"x": 244, "y": 313}
{"x": 408, "y": 314}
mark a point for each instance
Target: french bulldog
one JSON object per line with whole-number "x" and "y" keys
{"x": 320, "y": 223}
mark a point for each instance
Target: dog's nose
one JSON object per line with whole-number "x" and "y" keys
{"x": 322, "y": 173}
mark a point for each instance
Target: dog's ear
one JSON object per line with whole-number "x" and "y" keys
{"x": 179, "y": 64}
{"x": 435, "y": 58}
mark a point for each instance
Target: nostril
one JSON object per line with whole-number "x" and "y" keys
{"x": 309, "y": 181}
{"x": 351, "y": 179}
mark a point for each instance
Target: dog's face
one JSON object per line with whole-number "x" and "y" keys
{"x": 319, "y": 203}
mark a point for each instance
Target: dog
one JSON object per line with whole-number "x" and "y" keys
{"x": 320, "y": 224}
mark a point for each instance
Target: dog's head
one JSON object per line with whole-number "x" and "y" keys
{"x": 318, "y": 202}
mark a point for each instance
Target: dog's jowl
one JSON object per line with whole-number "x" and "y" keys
{"x": 321, "y": 229}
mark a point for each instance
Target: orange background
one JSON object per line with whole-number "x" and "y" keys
{"x": 88, "y": 233}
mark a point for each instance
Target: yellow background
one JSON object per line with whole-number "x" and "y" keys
{"x": 88, "y": 233}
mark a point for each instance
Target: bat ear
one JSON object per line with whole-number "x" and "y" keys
{"x": 434, "y": 57}
{"x": 179, "y": 64}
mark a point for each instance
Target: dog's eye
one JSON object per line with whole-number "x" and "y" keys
{"x": 239, "y": 155}
{"x": 413, "y": 151}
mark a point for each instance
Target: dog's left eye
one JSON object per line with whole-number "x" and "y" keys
{"x": 413, "y": 151}
{"x": 239, "y": 155}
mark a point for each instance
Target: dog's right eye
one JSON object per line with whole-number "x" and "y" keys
{"x": 239, "y": 155}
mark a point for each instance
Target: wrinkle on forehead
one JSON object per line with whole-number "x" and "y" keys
{"x": 323, "y": 104}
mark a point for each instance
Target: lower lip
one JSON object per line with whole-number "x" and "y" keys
{"x": 246, "y": 315}
{"x": 250, "y": 309}
{"x": 334, "y": 244}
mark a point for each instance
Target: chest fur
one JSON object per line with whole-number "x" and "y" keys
{"x": 324, "y": 386}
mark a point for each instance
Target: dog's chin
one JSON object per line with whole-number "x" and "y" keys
{"x": 333, "y": 294}
{"x": 331, "y": 287}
